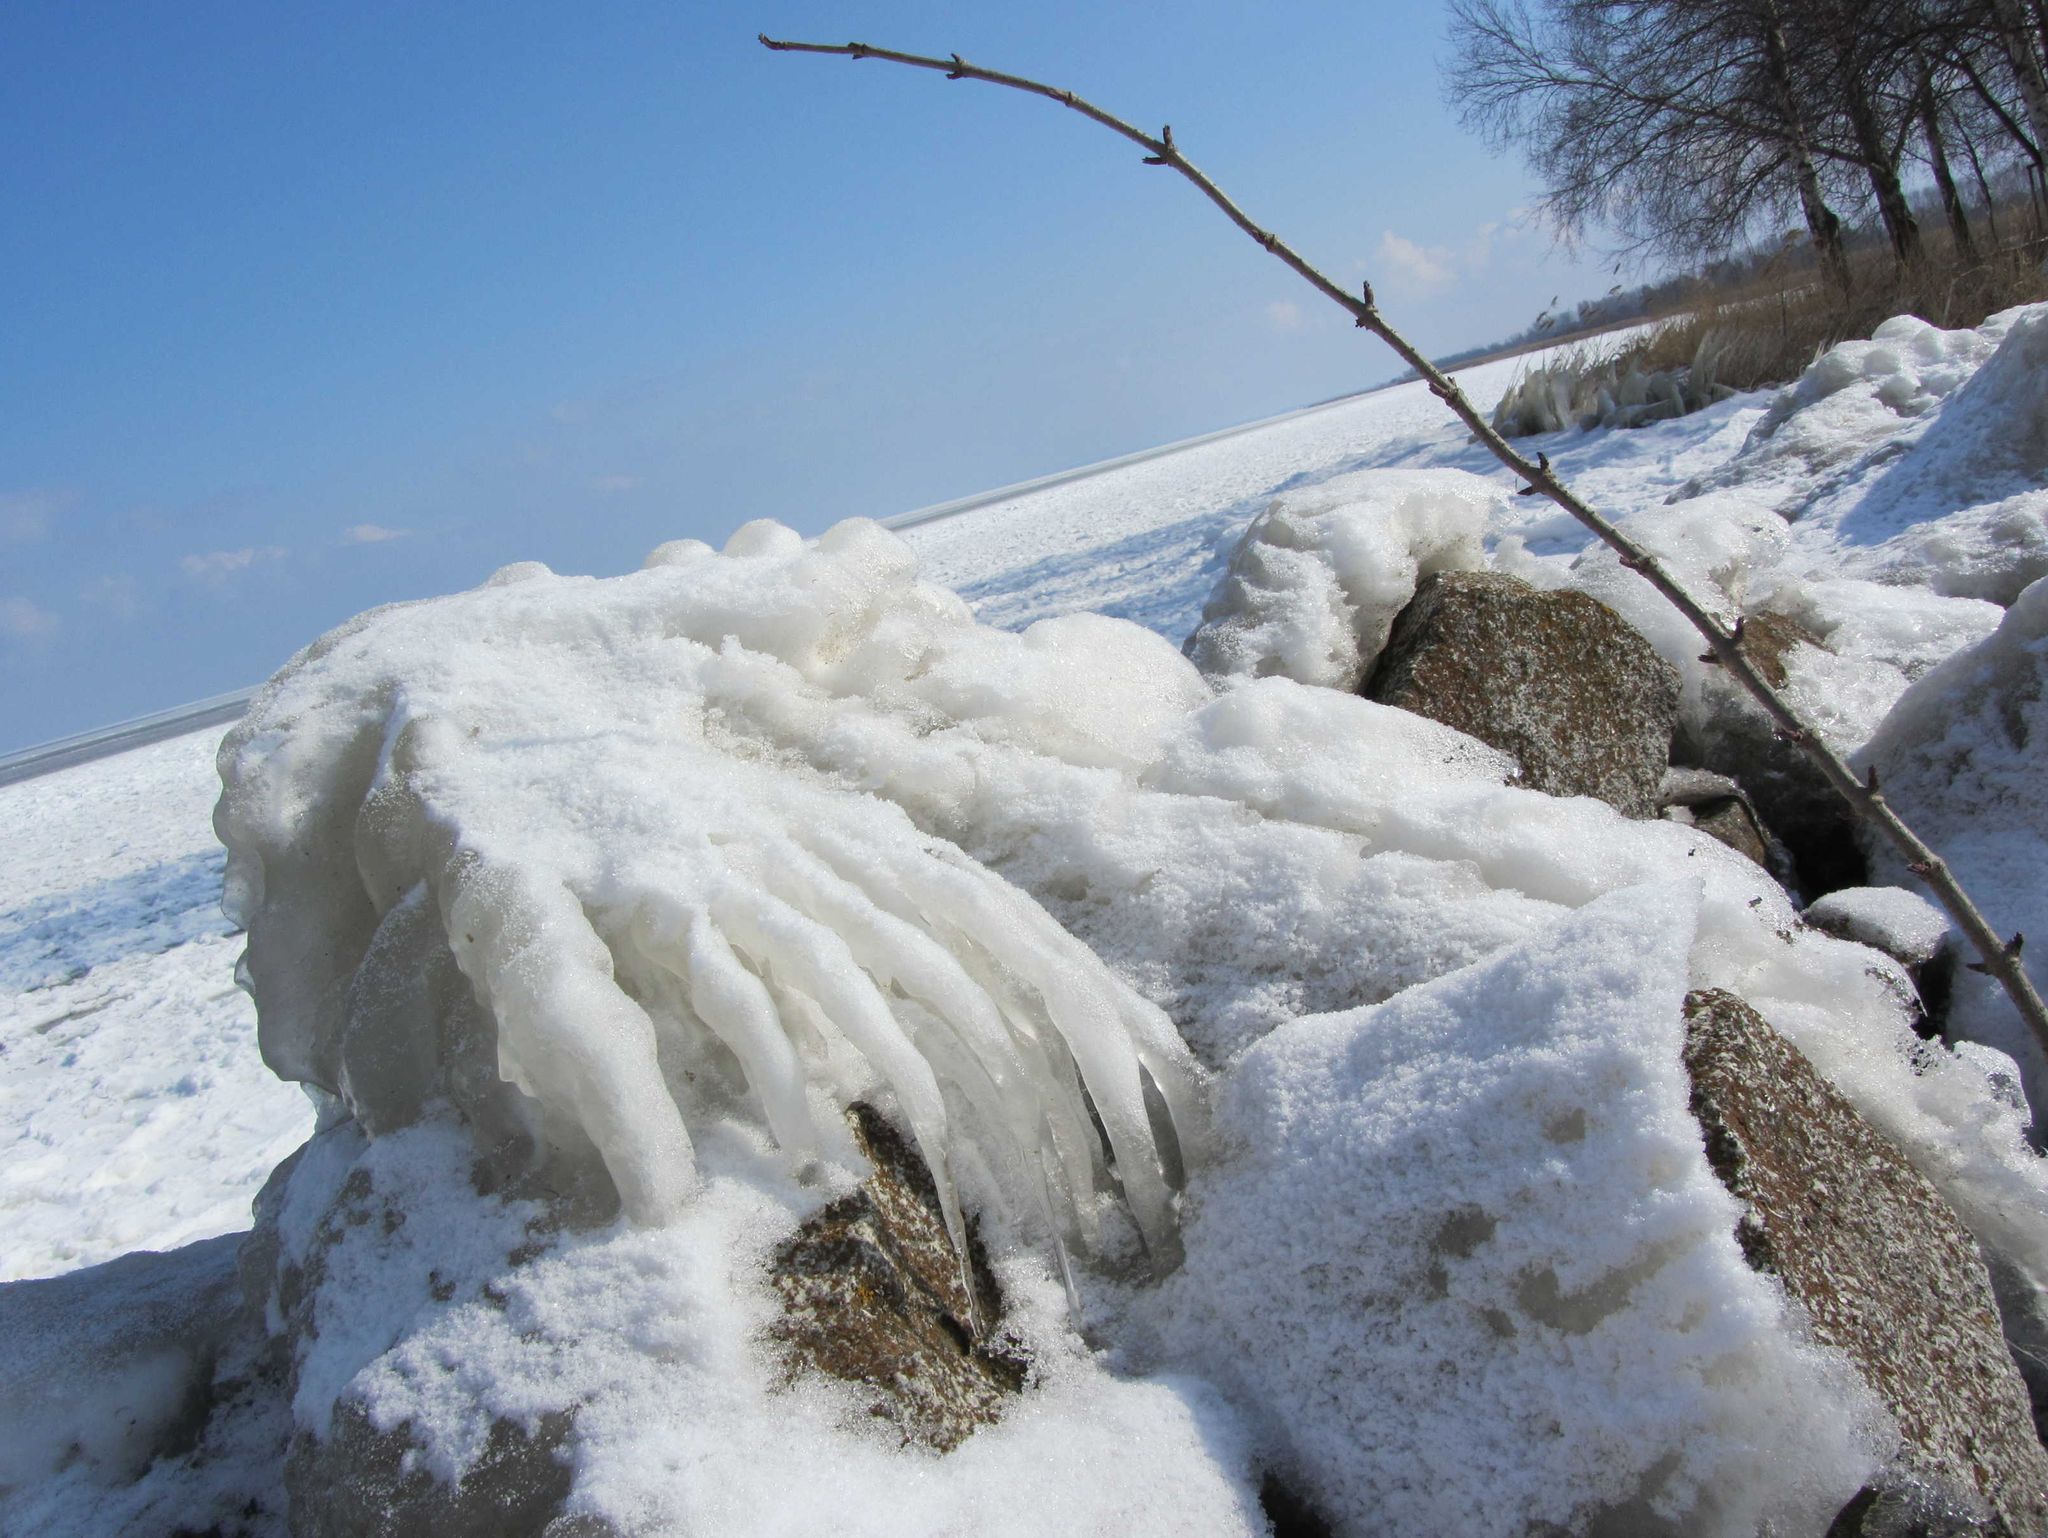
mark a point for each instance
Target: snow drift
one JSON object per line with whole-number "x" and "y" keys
{"x": 1919, "y": 457}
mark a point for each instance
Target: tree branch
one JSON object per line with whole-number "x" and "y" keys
{"x": 1999, "y": 959}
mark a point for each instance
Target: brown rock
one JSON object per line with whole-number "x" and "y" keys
{"x": 1562, "y": 682}
{"x": 873, "y": 1293}
{"x": 1786, "y": 789}
{"x": 1883, "y": 1268}
{"x": 1731, "y": 823}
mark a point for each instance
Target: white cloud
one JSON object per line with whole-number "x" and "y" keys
{"x": 1422, "y": 267}
{"x": 616, "y": 483}
{"x": 1284, "y": 315}
{"x": 26, "y": 515}
{"x": 218, "y": 565}
{"x": 120, "y": 596}
{"x": 1479, "y": 249}
{"x": 371, "y": 534}
{"x": 22, "y": 620}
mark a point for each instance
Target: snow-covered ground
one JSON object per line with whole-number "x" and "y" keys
{"x": 134, "y": 1112}
{"x": 660, "y": 873}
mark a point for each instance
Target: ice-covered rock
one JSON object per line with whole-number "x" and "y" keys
{"x": 1314, "y": 584}
{"x": 570, "y": 894}
{"x": 1578, "y": 698}
{"x": 1872, "y": 1255}
{"x": 873, "y": 1294}
{"x": 551, "y": 849}
{"x": 502, "y": 1364}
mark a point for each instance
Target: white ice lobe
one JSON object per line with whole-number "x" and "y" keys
{"x": 1316, "y": 581}
{"x": 589, "y": 859}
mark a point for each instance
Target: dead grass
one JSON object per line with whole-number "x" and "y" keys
{"x": 1765, "y": 334}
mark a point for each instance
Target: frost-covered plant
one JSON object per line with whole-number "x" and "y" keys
{"x": 563, "y": 853}
{"x": 1578, "y": 391}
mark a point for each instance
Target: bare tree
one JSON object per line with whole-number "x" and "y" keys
{"x": 2000, "y": 958}
{"x": 1678, "y": 124}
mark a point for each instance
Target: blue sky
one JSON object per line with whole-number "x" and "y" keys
{"x": 313, "y": 307}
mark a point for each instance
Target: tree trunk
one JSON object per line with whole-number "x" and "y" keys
{"x": 1821, "y": 222}
{"x": 2025, "y": 53}
{"x": 1937, "y": 157}
{"x": 1983, "y": 188}
{"x": 1883, "y": 169}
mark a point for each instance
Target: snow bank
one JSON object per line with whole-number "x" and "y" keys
{"x": 1477, "y": 1277}
{"x": 1919, "y": 457}
{"x": 1314, "y": 584}
{"x": 1961, "y": 757}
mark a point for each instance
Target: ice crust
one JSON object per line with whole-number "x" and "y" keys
{"x": 1316, "y": 580}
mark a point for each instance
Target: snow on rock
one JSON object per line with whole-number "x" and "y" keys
{"x": 551, "y": 848}
{"x": 1314, "y": 584}
{"x": 1902, "y": 924}
{"x": 1867, "y": 1248}
{"x": 1582, "y": 702}
{"x": 454, "y": 1355}
{"x": 1961, "y": 758}
{"x": 107, "y": 1367}
{"x": 1474, "y": 1273}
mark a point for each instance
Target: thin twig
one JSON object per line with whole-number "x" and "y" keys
{"x": 2000, "y": 958}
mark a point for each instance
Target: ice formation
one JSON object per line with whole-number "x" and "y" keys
{"x": 570, "y": 852}
{"x": 787, "y": 803}
{"x": 1315, "y": 582}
